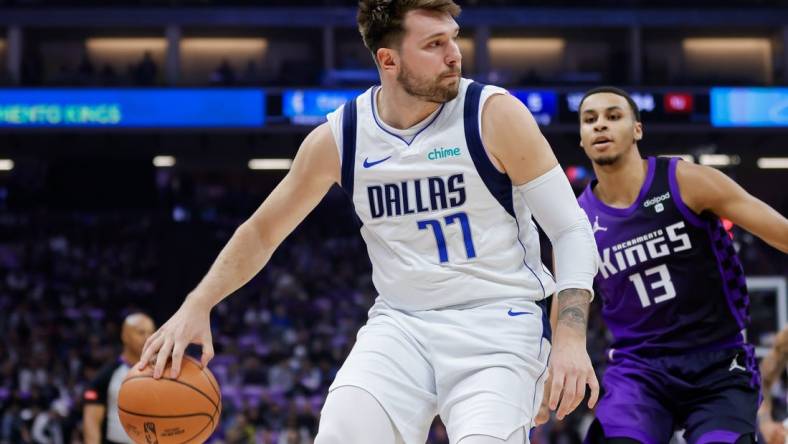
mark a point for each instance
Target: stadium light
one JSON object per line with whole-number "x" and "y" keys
{"x": 773, "y": 163}
{"x": 719, "y": 160}
{"x": 6, "y": 164}
{"x": 126, "y": 44}
{"x": 163, "y": 161}
{"x": 224, "y": 45}
{"x": 724, "y": 45}
{"x": 270, "y": 164}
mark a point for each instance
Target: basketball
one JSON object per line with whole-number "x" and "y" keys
{"x": 169, "y": 411}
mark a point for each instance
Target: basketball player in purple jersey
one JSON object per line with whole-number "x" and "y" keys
{"x": 673, "y": 289}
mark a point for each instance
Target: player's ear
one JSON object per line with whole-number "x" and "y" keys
{"x": 638, "y": 131}
{"x": 387, "y": 59}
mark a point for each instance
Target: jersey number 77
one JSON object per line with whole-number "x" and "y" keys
{"x": 437, "y": 229}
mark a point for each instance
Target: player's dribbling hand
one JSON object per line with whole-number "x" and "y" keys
{"x": 191, "y": 324}
{"x": 571, "y": 371}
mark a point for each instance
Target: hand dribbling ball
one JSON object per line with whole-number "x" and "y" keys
{"x": 167, "y": 410}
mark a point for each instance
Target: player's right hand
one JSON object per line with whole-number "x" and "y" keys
{"x": 570, "y": 372}
{"x": 191, "y": 324}
{"x": 773, "y": 432}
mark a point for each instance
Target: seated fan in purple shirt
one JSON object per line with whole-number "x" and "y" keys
{"x": 672, "y": 287}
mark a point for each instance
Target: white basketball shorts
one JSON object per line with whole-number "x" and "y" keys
{"x": 482, "y": 369}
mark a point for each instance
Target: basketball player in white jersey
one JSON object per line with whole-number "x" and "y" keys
{"x": 445, "y": 175}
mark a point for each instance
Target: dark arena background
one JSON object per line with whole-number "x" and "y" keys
{"x": 136, "y": 136}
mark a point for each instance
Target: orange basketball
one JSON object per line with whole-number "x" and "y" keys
{"x": 170, "y": 411}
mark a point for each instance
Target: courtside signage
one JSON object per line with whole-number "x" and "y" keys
{"x": 132, "y": 108}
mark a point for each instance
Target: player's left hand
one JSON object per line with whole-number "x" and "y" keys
{"x": 570, "y": 371}
{"x": 544, "y": 411}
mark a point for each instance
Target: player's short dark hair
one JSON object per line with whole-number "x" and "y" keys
{"x": 381, "y": 22}
{"x": 616, "y": 91}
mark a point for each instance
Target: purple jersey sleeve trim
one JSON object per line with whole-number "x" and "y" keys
{"x": 717, "y": 436}
{"x": 688, "y": 214}
{"x": 737, "y": 315}
{"x": 591, "y": 198}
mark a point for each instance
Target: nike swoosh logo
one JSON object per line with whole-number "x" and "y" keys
{"x": 368, "y": 164}
{"x": 518, "y": 313}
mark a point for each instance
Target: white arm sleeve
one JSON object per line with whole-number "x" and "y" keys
{"x": 554, "y": 206}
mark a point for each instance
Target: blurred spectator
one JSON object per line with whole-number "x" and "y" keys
{"x": 146, "y": 70}
{"x": 108, "y": 77}
{"x": 47, "y": 426}
{"x": 250, "y": 75}
{"x": 86, "y": 72}
{"x": 223, "y": 74}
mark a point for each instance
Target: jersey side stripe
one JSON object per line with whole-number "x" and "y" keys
{"x": 349, "y": 146}
{"x": 498, "y": 183}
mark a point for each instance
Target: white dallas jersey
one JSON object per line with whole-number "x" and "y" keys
{"x": 443, "y": 226}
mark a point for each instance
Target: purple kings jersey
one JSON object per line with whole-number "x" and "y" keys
{"x": 669, "y": 279}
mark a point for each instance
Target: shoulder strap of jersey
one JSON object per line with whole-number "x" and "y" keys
{"x": 349, "y": 145}
{"x": 498, "y": 183}
{"x": 661, "y": 181}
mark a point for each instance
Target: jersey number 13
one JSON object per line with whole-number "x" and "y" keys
{"x": 662, "y": 285}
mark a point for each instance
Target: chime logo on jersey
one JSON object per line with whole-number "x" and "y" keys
{"x": 443, "y": 153}
{"x": 416, "y": 196}
{"x": 652, "y": 245}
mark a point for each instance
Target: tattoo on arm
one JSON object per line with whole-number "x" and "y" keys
{"x": 573, "y": 308}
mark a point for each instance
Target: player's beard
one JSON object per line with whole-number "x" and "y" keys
{"x": 430, "y": 90}
{"x": 612, "y": 159}
{"x": 607, "y": 159}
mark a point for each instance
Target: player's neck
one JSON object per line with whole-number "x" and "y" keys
{"x": 401, "y": 110}
{"x": 619, "y": 185}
